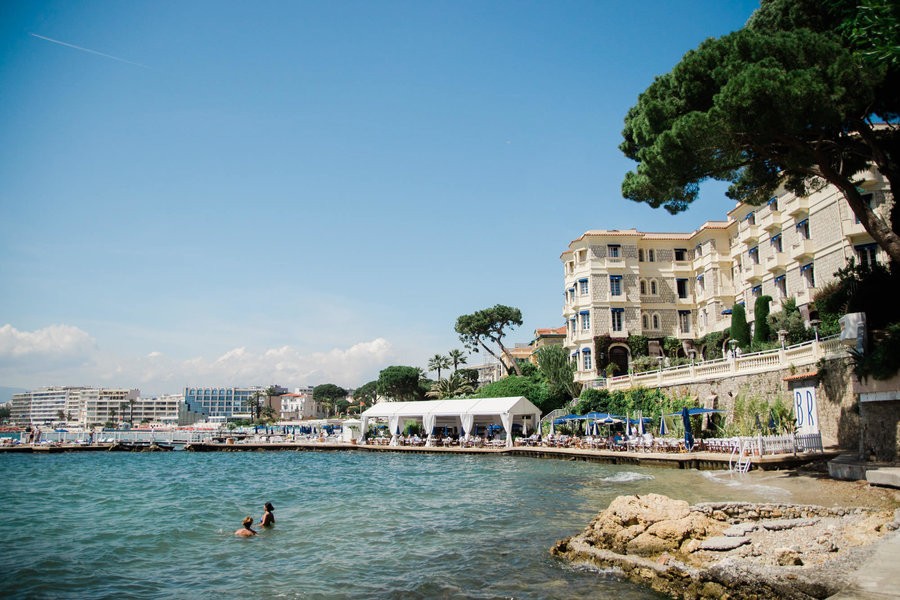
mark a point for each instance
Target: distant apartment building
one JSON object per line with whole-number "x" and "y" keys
{"x": 222, "y": 404}
{"x": 82, "y": 405}
{"x": 298, "y": 405}
{"x": 683, "y": 285}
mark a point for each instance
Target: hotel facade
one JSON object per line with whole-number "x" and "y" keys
{"x": 620, "y": 283}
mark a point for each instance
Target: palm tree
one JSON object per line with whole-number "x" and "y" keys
{"x": 452, "y": 387}
{"x": 438, "y": 362}
{"x": 457, "y": 358}
{"x": 254, "y": 404}
{"x": 131, "y": 402}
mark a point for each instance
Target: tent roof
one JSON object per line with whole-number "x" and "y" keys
{"x": 519, "y": 405}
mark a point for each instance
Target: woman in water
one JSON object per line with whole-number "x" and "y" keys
{"x": 268, "y": 518}
{"x": 246, "y": 531}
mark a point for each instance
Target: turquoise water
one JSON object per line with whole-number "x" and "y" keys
{"x": 349, "y": 524}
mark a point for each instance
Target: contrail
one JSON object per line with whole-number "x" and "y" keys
{"x": 91, "y": 51}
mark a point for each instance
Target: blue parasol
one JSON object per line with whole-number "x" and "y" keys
{"x": 688, "y": 435}
{"x": 663, "y": 430}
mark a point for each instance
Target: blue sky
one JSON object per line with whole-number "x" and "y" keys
{"x": 215, "y": 193}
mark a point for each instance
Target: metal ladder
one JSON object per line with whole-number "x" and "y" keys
{"x": 737, "y": 462}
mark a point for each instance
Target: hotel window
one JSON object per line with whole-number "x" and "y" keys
{"x": 651, "y": 257}
{"x": 615, "y": 285}
{"x": 586, "y": 359}
{"x": 866, "y": 254}
{"x": 614, "y": 250}
{"x": 572, "y": 294}
{"x": 682, "y": 286}
{"x": 655, "y": 321}
{"x": 750, "y": 218}
{"x": 572, "y": 325}
{"x": 585, "y": 320}
{"x": 643, "y": 286}
{"x": 698, "y": 250}
{"x": 773, "y": 204}
{"x": 753, "y": 253}
{"x": 756, "y": 291}
{"x": 776, "y": 243}
{"x": 809, "y": 275}
{"x": 616, "y": 314}
{"x": 653, "y": 289}
{"x": 640, "y": 255}
{"x": 781, "y": 286}
{"x": 583, "y": 287}
{"x": 869, "y": 199}
{"x": 803, "y": 229}
{"x": 645, "y": 321}
{"x": 684, "y": 321}
{"x": 680, "y": 254}
{"x": 701, "y": 283}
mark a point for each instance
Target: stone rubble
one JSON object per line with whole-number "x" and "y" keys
{"x": 730, "y": 550}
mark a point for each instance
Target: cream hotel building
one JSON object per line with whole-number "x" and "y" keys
{"x": 628, "y": 282}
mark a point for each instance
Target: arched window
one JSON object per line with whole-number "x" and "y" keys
{"x": 655, "y": 320}
{"x": 645, "y": 321}
{"x": 643, "y": 287}
{"x": 653, "y": 291}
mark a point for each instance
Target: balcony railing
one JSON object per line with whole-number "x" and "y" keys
{"x": 798, "y": 355}
{"x": 801, "y": 249}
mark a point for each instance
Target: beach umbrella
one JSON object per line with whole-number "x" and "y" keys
{"x": 640, "y": 419}
{"x": 772, "y": 425}
{"x": 663, "y": 430}
{"x": 688, "y": 435}
{"x": 758, "y": 423}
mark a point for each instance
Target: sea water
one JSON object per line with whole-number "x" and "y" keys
{"x": 350, "y": 524}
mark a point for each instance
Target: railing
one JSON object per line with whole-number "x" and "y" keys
{"x": 797, "y": 355}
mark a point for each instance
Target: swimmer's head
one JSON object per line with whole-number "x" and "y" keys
{"x": 269, "y": 506}
{"x": 248, "y": 521}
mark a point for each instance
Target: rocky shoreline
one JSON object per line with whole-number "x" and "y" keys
{"x": 730, "y": 550}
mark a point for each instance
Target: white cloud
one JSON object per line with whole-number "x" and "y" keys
{"x": 67, "y": 355}
{"x": 53, "y": 343}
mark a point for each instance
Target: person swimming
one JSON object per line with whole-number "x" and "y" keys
{"x": 246, "y": 531}
{"x": 268, "y": 517}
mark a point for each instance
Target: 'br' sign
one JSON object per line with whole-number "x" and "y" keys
{"x": 805, "y": 410}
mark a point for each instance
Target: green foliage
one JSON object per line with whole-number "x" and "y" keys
{"x": 786, "y": 101}
{"x": 454, "y": 386}
{"x": 711, "y": 343}
{"x": 883, "y": 360}
{"x": 511, "y": 386}
{"x": 740, "y": 329}
{"x": 456, "y": 358}
{"x": 671, "y": 345}
{"x": 366, "y": 393}
{"x": 651, "y": 401}
{"x": 761, "y": 332}
{"x": 328, "y": 395}
{"x": 860, "y": 288}
{"x": 639, "y": 345}
{"x": 751, "y": 416}
{"x": 558, "y": 369}
{"x": 601, "y": 351}
{"x": 400, "y": 383}
{"x": 489, "y": 325}
{"x": 438, "y": 363}
{"x": 791, "y": 320}
{"x": 469, "y": 376}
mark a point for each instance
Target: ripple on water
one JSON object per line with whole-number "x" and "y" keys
{"x": 358, "y": 524}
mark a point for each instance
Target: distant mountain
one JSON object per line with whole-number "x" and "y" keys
{"x": 6, "y": 393}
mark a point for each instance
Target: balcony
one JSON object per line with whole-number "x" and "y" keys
{"x": 802, "y": 249}
{"x": 771, "y": 220}
{"x": 753, "y": 271}
{"x": 854, "y": 231}
{"x": 623, "y": 298}
{"x": 682, "y": 267}
{"x": 776, "y": 262}
{"x": 797, "y": 206}
{"x": 805, "y": 295}
{"x": 748, "y": 232}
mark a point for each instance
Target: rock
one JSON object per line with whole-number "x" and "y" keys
{"x": 740, "y": 530}
{"x": 647, "y": 544}
{"x": 723, "y": 543}
{"x": 690, "y": 546}
{"x": 693, "y": 525}
{"x": 647, "y": 509}
{"x": 787, "y": 557}
{"x": 782, "y": 524}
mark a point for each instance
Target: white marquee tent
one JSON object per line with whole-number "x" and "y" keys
{"x": 462, "y": 413}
